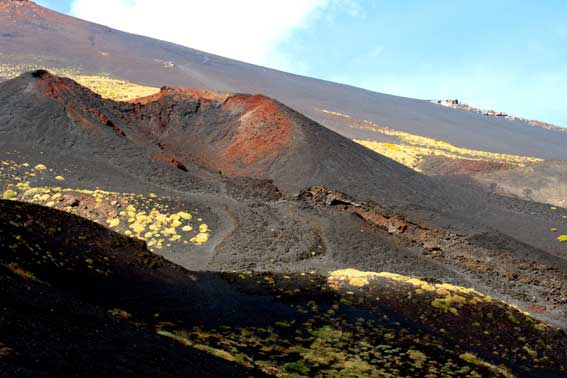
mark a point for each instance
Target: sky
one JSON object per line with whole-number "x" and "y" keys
{"x": 505, "y": 55}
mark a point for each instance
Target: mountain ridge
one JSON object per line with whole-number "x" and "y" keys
{"x": 94, "y": 49}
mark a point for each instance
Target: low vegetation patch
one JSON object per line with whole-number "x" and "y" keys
{"x": 103, "y": 84}
{"x": 410, "y": 150}
{"x": 156, "y": 220}
{"x": 22, "y": 273}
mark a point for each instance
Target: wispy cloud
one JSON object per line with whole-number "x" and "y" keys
{"x": 249, "y": 30}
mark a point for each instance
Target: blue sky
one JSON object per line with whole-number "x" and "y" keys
{"x": 506, "y": 55}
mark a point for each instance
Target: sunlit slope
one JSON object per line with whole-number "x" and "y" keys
{"x": 545, "y": 182}
{"x": 103, "y": 84}
{"x": 161, "y": 222}
{"x": 412, "y": 150}
{"x": 113, "y": 89}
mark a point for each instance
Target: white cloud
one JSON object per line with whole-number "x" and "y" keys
{"x": 247, "y": 30}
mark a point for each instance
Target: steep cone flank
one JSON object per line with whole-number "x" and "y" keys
{"x": 253, "y": 135}
{"x": 240, "y": 135}
{"x": 257, "y": 129}
{"x": 82, "y": 106}
{"x": 265, "y": 130}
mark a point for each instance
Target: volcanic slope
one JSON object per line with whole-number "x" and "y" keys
{"x": 34, "y": 37}
{"x": 542, "y": 182}
{"x": 149, "y": 169}
{"x": 240, "y": 135}
{"x": 118, "y": 310}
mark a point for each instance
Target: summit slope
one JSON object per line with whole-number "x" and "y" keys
{"x": 33, "y": 37}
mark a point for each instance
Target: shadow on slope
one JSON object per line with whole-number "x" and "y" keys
{"x": 62, "y": 274}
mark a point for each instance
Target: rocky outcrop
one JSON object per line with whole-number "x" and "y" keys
{"x": 474, "y": 254}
